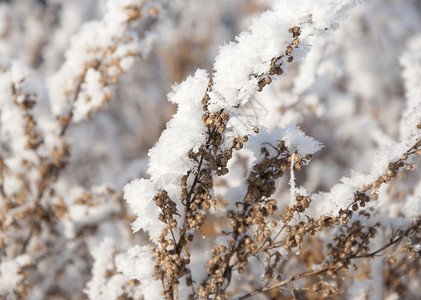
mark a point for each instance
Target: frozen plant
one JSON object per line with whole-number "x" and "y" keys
{"x": 264, "y": 241}
{"x": 48, "y": 226}
{"x": 287, "y": 171}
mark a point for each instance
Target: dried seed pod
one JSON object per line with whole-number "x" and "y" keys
{"x": 279, "y": 71}
{"x": 295, "y": 31}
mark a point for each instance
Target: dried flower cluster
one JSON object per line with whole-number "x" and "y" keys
{"x": 172, "y": 260}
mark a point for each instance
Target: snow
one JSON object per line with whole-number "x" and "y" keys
{"x": 185, "y": 131}
{"x": 335, "y": 90}
{"x": 234, "y": 82}
{"x": 139, "y": 195}
{"x": 96, "y": 287}
{"x": 139, "y": 264}
{"x": 9, "y": 273}
{"x": 292, "y": 187}
{"x": 294, "y": 138}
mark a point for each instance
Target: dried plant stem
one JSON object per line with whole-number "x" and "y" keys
{"x": 287, "y": 282}
{"x": 209, "y": 160}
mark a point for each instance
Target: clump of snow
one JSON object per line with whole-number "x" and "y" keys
{"x": 139, "y": 195}
{"x": 93, "y": 92}
{"x": 10, "y": 276}
{"x": 341, "y": 195}
{"x": 107, "y": 279}
{"x": 236, "y": 62}
{"x": 239, "y": 63}
{"x": 138, "y": 263}
{"x": 184, "y": 131}
{"x": 294, "y": 138}
{"x": 97, "y": 286}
